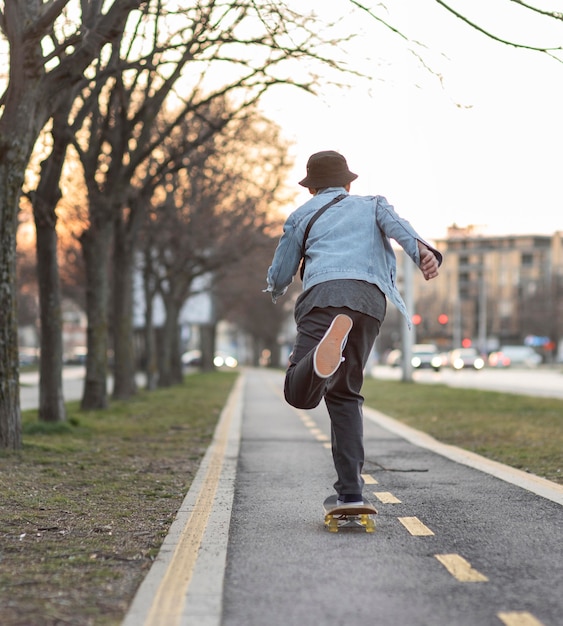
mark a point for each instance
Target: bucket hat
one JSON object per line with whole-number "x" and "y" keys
{"x": 327, "y": 169}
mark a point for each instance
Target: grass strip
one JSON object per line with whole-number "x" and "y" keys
{"x": 87, "y": 503}
{"x": 521, "y": 431}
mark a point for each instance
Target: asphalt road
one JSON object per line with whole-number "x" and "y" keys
{"x": 541, "y": 381}
{"x": 538, "y": 382}
{"x": 73, "y": 384}
{"x": 454, "y": 545}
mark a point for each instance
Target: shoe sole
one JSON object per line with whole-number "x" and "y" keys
{"x": 328, "y": 354}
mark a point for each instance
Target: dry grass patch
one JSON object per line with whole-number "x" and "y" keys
{"x": 521, "y": 431}
{"x": 86, "y": 504}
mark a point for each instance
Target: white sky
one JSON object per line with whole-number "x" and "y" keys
{"x": 484, "y": 147}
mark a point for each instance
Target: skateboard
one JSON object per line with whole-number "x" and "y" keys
{"x": 345, "y": 516}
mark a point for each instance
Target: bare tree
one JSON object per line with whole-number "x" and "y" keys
{"x": 214, "y": 214}
{"x": 237, "y": 295}
{"x": 45, "y": 62}
{"x": 44, "y": 201}
{"x": 166, "y": 64}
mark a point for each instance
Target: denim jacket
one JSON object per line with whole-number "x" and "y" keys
{"x": 351, "y": 240}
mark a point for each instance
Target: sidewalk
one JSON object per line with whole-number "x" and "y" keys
{"x": 454, "y": 544}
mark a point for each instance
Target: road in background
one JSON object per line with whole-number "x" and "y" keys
{"x": 534, "y": 382}
{"x": 73, "y": 385}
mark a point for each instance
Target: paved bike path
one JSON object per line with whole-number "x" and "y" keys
{"x": 453, "y": 544}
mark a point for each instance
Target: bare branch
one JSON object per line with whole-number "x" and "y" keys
{"x": 554, "y": 14}
{"x": 49, "y": 15}
{"x": 548, "y": 51}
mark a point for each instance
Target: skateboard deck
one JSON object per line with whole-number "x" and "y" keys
{"x": 345, "y": 516}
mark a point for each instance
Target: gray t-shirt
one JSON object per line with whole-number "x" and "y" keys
{"x": 357, "y": 295}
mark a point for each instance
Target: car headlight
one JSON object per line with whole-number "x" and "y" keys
{"x": 479, "y": 364}
{"x": 416, "y": 362}
{"x": 436, "y": 361}
{"x": 458, "y": 364}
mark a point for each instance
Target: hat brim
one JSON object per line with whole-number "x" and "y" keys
{"x": 318, "y": 182}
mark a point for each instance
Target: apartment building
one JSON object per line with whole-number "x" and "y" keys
{"x": 493, "y": 290}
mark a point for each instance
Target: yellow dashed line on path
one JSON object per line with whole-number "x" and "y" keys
{"x": 415, "y": 526}
{"x": 460, "y": 569}
{"x": 518, "y": 618}
{"x": 386, "y": 497}
{"x": 322, "y": 437}
{"x": 369, "y": 479}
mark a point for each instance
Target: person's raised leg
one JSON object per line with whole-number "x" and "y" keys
{"x": 317, "y": 354}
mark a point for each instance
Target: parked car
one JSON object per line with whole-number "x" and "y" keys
{"x": 466, "y": 357}
{"x": 514, "y": 355}
{"x": 423, "y": 355}
{"x": 192, "y": 358}
{"x": 426, "y": 355}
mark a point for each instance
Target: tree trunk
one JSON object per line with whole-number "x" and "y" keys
{"x": 151, "y": 368}
{"x": 170, "y": 345}
{"x": 45, "y": 200}
{"x": 20, "y": 124}
{"x": 51, "y": 400}
{"x": 96, "y": 247}
{"x": 275, "y": 356}
{"x": 23, "y": 115}
{"x": 10, "y": 412}
{"x": 207, "y": 345}
{"x": 123, "y": 343}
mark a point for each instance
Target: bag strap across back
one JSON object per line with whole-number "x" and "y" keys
{"x": 309, "y": 226}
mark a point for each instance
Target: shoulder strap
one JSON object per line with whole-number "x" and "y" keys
{"x": 310, "y": 225}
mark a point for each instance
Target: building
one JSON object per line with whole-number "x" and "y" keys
{"x": 493, "y": 290}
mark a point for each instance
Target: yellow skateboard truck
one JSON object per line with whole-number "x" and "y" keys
{"x": 346, "y": 516}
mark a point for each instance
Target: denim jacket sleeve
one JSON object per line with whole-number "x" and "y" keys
{"x": 286, "y": 260}
{"x": 399, "y": 229}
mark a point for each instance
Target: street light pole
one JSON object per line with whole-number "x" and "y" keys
{"x": 407, "y": 336}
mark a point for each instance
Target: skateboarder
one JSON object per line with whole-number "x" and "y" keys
{"x": 348, "y": 275}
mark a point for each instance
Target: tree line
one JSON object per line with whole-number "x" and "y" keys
{"x": 156, "y": 106}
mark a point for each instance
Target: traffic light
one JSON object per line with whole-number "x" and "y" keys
{"x": 443, "y": 319}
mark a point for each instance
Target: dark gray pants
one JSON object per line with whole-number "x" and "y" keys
{"x": 304, "y": 389}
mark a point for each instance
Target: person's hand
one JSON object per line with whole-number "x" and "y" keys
{"x": 428, "y": 262}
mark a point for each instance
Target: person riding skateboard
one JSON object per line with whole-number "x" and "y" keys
{"x": 349, "y": 273}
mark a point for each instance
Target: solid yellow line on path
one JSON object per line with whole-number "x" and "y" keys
{"x": 518, "y": 618}
{"x": 169, "y": 599}
{"x": 369, "y": 479}
{"x": 386, "y": 497}
{"x": 460, "y": 569}
{"x": 415, "y": 526}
